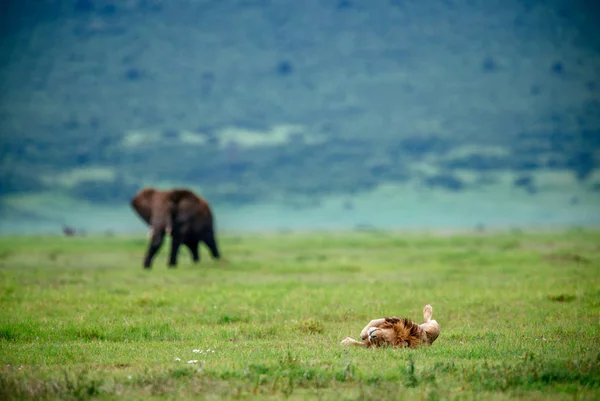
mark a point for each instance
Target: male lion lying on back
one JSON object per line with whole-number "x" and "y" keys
{"x": 398, "y": 332}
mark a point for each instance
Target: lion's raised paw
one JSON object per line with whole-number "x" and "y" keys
{"x": 427, "y": 312}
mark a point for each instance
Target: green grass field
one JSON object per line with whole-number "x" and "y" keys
{"x": 520, "y": 317}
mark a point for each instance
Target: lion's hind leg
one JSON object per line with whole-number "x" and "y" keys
{"x": 431, "y": 327}
{"x": 427, "y": 312}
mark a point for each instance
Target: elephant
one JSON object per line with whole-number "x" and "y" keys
{"x": 178, "y": 212}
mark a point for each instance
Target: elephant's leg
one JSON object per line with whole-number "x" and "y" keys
{"x": 175, "y": 243}
{"x": 155, "y": 244}
{"x": 193, "y": 246}
{"x": 211, "y": 242}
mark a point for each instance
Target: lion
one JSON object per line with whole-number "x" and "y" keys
{"x": 398, "y": 332}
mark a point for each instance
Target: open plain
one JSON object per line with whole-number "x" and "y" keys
{"x": 519, "y": 312}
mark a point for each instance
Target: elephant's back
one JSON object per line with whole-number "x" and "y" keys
{"x": 194, "y": 215}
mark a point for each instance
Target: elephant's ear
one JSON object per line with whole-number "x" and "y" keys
{"x": 142, "y": 203}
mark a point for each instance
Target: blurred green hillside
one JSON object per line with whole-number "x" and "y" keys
{"x": 254, "y": 101}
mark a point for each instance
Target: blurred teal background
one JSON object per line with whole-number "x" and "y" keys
{"x": 286, "y": 114}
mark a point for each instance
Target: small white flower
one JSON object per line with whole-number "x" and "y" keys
{"x": 196, "y": 350}
{"x": 213, "y": 351}
{"x": 20, "y": 367}
{"x": 129, "y": 377}
{"x": 193, "y": 361}
{"x": 177, "y": 359}
{"x": 543, "y": 338}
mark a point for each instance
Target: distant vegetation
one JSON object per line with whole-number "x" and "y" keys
{"x": 257, "y": 100}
